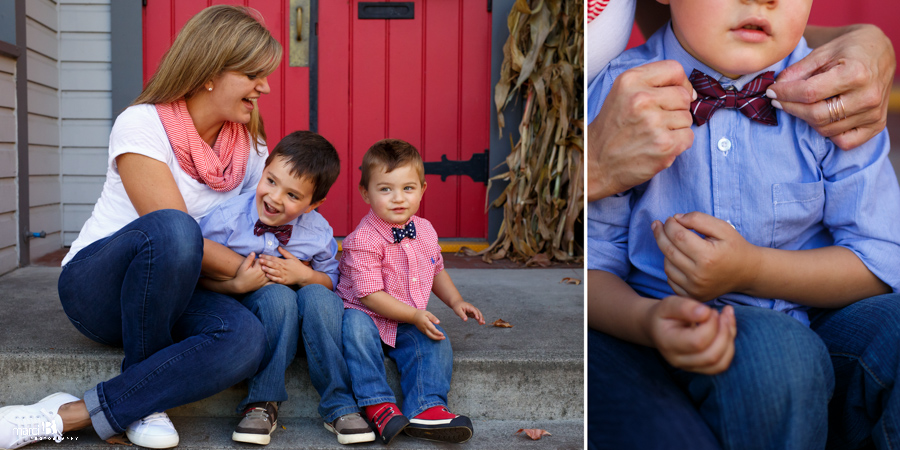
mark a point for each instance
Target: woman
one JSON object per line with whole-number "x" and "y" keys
{"x": 192, "y": 139}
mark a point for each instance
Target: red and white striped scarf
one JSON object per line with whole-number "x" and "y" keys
{"x": 221, "y": 168}
{"x": 595, "y": 7}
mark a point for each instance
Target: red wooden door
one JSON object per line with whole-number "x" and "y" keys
{"x": 425, "y": 80}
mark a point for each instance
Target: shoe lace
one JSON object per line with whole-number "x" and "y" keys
{"x": 382, "y": 415}
{"x": 257, "y": 412}
{"x": 43, "y": 424}
{"x": 156, "y": 417}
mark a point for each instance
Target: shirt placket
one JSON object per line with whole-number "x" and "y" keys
{"x": 725, "y": 156}
{"x": 412, "y": 263}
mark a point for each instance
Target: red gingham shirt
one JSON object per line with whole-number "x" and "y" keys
{"x": 372, "y": 262}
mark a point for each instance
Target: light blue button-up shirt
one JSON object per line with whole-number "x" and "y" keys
{"x": 782, "y": 187}
{"x": 312, "y": 239}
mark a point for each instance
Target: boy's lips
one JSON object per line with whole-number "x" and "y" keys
{"x": 269, "y": 209}
{"x": 753, "y": 30}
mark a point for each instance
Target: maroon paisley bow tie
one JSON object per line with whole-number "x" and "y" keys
{"x": 282, "y": 233}
{"x": 751, "y": 100}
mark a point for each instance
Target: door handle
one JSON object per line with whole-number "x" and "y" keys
{"x": 299, "y": 23}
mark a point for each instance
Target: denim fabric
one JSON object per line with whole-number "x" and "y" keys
{"x": 313, "y": 313}
{"x": 425, "y": 365}
{"x": 863, "y": 340}
{"x": 633, "y": 402}
{"x": 135, "y": 289}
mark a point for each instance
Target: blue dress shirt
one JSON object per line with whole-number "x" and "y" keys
{"x": 312, "y": 239}
{"x": 781, "y": 186}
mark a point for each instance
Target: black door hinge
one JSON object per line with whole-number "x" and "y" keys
{"x": 477, "y": 168}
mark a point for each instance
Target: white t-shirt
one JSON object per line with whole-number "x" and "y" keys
{"x": 139, "y": 130}
{"x": 607, "y": 35}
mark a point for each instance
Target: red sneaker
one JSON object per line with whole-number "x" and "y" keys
{"x": 386, "y": 420}
{"x": 439, "y": 424}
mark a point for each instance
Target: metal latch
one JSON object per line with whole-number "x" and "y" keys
{"x": 477, "y": 168}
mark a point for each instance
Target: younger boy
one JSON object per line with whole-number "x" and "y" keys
{"x": 280, "y": 218}
{"x": 389, "y": 266}
{"x": 787, "y": 225}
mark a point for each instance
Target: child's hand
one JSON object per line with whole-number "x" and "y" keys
{"x": 465, "y": 310}
{"x": 249, "y": 276}
{"x": 692, "y": 336}
{"x": 424, "y": 321}
{"x": 705, "y": 268}
{"x": 288, "y": 270}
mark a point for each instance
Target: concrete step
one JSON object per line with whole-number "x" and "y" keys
{"x": 532, "y": 372}
{"x": 215, "y": 433}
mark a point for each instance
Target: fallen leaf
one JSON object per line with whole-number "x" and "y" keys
{"x": 570, "y": 280}
{"x": 466, "y": 251}
{"x": 119, "y": 439}
{"x": 283, "y": 427}
{"x": 534, "y": 433}
{"x": 500, "y": 323}
{"x": 540, "y": 259}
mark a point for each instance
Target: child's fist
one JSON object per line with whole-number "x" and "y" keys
{"x": 692, "y": 336}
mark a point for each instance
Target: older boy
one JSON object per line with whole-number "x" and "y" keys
{"x": 389, "y": 266}
{"x": 280, "y": 218}
{"x": 797, "y": 237}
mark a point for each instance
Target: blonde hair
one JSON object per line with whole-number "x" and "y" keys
{"x": 218, "y": 39}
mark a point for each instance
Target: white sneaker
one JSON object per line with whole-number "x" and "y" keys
{"x": 21, "y": 425}
{"x": 153, "y": 431}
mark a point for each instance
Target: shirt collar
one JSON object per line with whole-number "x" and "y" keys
{"x": 384, "y": 228}
{"x": 673, "y": 50}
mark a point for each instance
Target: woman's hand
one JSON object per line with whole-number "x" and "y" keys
{"x": 857, "y": 66}
{"x": 705, "y": 268}
{"x": 642, "y": 126}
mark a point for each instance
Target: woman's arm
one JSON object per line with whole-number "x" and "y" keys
{"x": 150, "y": 187}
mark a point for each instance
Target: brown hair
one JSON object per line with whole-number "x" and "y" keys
{"x": 218, "y": 39}
{"x": 310, "y": 156}
{"x": 390, "y": 154}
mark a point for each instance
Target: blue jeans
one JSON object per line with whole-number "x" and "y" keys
{"x": 826, "y": 386}
{"x": 136, "y": 289}
{"x": 315, "y": 313}
{"x": 425, "y": 365}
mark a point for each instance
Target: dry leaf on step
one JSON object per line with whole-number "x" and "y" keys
{"x": 500, "y": 323}
{"x": 570, "y": 280}
{"x": 534, "y": 433}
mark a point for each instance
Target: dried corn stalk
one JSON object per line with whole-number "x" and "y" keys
{"x": 543, "y": 202}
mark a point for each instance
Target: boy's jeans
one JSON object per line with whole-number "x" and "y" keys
{"x": 425, "y": 365}
{"x": 776, "y": 392}
{"x": 135, "y": 289}
{"x": 315, "y": 313}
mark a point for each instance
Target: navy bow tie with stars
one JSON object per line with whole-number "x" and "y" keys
{"x": 409, "y": 231}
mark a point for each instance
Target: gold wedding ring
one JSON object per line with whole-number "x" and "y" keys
{"x": 836, "y": 108}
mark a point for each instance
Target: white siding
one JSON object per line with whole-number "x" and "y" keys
{"x": 42, "y": 25}
{"x": 85, "y": 105}
{"x": 9, "y": 258}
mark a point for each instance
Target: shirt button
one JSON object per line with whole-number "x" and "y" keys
{"x": 414, "y": 278}
{"x": 724, "y": 145}
{"x": 269, "y": 243}
{"x": 406, "y": 245}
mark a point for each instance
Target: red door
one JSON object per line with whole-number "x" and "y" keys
{"x": 425, "y": 80}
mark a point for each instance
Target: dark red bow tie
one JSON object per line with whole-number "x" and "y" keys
{"x": 282, "y": 233}
{"x": 751, "y": 100}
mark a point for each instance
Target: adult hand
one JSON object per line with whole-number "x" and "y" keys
{"x": 644, "y": 123}
{"x": 858, "y": 68}
{"x": 705, "y": 268}
{"x": 692, "y": 336}
{"x": 249, "y": 277}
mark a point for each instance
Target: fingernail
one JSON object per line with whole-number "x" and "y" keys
{"x": 777, "y": 104}
{"x": 654, "y": 225}
{"x": 771, "y": 94}
{"x": 679, "y": 216}
{"x": 693, "y": 94}
{"x": 699, "y": 310}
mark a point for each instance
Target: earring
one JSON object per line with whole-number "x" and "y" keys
{"x": 209, "y": 89}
